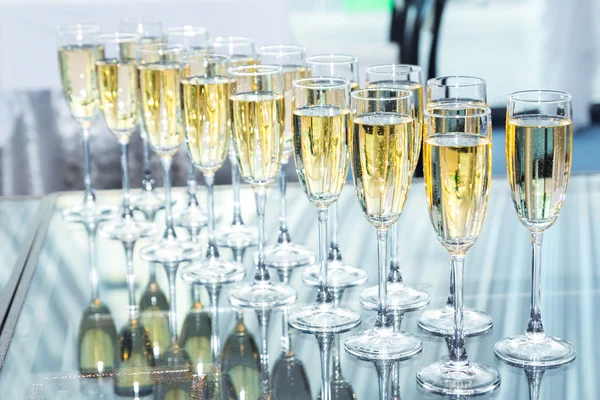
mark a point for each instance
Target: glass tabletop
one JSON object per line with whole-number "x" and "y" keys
{"x": 42, "y": 361}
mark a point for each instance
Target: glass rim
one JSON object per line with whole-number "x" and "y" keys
{"x": 259, "y": 70}
{"x": 320, "y": 59}
{"x": 402, "y": 68}
{"x": 187, "y": 30}
{"x": 281, "y": 49}
{"x": 206, "y": 56}
{"x": 232, "y": 40}
{"x": 78, "y": 27}
{"x": 360, "y": 94}
{"x": 480, "y": 111}
{"x": 560, "y": 96}
{"x": 164, "y": 48}
{"x": 475, "y": 81}
{"x": 321, "y": 83}
{"x": 117, "y": 37}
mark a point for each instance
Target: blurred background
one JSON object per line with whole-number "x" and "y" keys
{"x": 512, "y": 44}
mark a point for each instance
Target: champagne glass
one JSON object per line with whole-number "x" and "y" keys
{"x": 408, "y": 77}
{"x": 117, "y": 84}
{"x": 196, "y": 332}
{"x": 469, "y": 91}
{"x": 194, "y": 39}
{"x": 160, "y": 71}
{"x": 539, "y": 137}
{"x": 457, "y": 150}
{"x": 341, "y": 275}
{"x": 286, "y": 254}
{"x": 238, "y": 236}
{"x": 77, "y": 56}
{"x": 148, "y": 202}
{"x": 321, "y": 123}
{"x": 206, "y": 117}
{"x": 257, "y": 105}
{"x": 382, "y": 159}
{"x": 154, "y": 315}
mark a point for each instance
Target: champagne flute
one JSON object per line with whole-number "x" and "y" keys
{"x": 286, "y": 254}
{"x": 382, "y": 149}
{"x": 469, "y": 91}
{"x": 539, "y": 137}
{"x": 238, "y": 236}
{"x": 117, "y": 84}
{"x": 399, "y": 76}
{"x": 154, "y": 315}
{"x": 457, "y": 150}
{"x": 77, "y": 56}
{"x": 341, "y": 275}
{"x": 148, "y": 202}
{"x": 321, "y": 123}
{"x": 160, "y": 71}
{"x": 194, "y": 39}
{"x": 257, "y": 105}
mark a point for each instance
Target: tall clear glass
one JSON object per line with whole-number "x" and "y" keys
{"x": 285, "y": 254}
{"x": 160, "y": 95}
{"x": 381, "y": 148}
{"x": 321, "y": 124}
{"x": 341, "y": 275}
{"x": 77, "y": 56}
{"x": 407, "y": 77}
{"x": 148, "y": 202}
{"x": 457, "y": 152}
{"x": 194, "y": 39}
{"x": 257, "y": 104}
{"x": 237, "y": 236}
{"x": 539, "y": 138}
{"x": 466, "y": 90}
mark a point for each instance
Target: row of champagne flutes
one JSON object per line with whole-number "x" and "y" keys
{"x": 384, "y": 145}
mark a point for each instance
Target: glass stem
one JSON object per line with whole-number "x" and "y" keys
{"x": 337, "y": 361}
{"x": 382, "y": 315}
{"x": 196, "y": 296}
{"x": 214, "y": 292}
{"x": 396, "y": 323}
{"x": 91, "y": 233}
{"x": 147, "y": 181}
{"x": 394, "y": 275}
{"x": 235, "y": 184}
{"x": 192, "y": 185}
{"x": 457, "y": 347}
{"x": 324, "y": 295}
{"x": 171, "y": 270}
{"x": 335, "y": 254}
{"x": 284, "y": 235}
{"x": 127, "y": 210}
{"x": 325, "y": 341}
{"x": 535, "y": 328}
{"x": 264, "y": 316}
{"x": 383, "y": 369}
{"x": 450, "y": 300}
{"x": 261, "y": 270}
{"x": 166, "y": 162}
{"x": 133, "y": 312}
{"x": 286, "y": 337}
{"x": 212, "y": 251}
{"x": 534, "y": 380}
{"x": 152, "y": 272}
{"x": 90, "y": 197}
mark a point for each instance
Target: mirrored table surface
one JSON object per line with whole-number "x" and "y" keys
{"x": 42, "y": 360}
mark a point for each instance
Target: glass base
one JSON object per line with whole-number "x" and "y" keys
{"x": 127, "y": 230}
{"x": 148, "y": 202}
{"x": 324, "y": 318}
{"x": 400, "y": 298}
{"x": 531, "y": 351}
{"x": 89, "y": 212}
{"x": 441, "y": 322}
{"x": 262, "y": 294}
{"x": 171, "y": 252}
{"x": 237, "y": 237}
{"x": 458, "y": 379}
{"x": 383, "y": 344}
{"x": 339, "y": 275}
{"x": 213, "y": 271}
{"x": 287, "y": 255}
{"x": 191, "y": 218}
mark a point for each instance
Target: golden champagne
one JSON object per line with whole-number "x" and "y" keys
{"x": 321, "y": 151}
{"x": 258, "y": 119}
{"x": 240, "y": 61}
{"x": 79, "y": 79}
{"x": 117, "y": 83}
{"x": 206, "y": 120}
{"x": 290, "y": 74}
{"x": 458, "y": 170}
{"x": 381, "y": 163}
{"x": 538, "y": 159}
{"x": 354, "y": 86}
{"x": 160, "y": 96}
